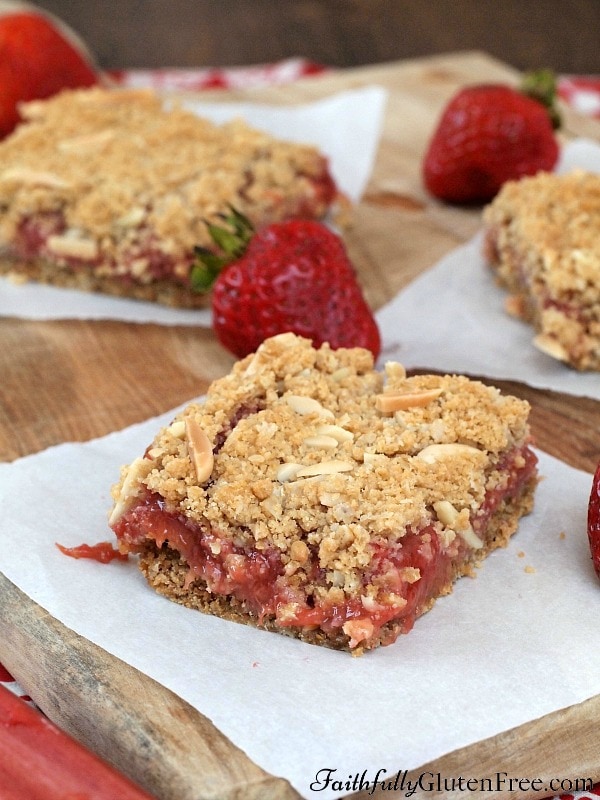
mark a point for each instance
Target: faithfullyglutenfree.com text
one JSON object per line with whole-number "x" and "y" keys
{"x": 382, "y": 780}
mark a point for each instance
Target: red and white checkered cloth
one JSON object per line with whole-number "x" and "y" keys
{"x": 580, "y": 92}
{"x": 194, "y": 80}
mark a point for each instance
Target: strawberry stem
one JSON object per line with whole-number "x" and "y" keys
{"x": 231, "y": 241}
{"x": 540, "y": 85}
{"x": 205, "y": 269}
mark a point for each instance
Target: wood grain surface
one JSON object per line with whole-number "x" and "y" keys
{"x": 74, "y": 380}
{"x": 146, "y": 731}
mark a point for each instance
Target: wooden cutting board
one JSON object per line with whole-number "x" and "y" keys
{"x": 73, "y": 380}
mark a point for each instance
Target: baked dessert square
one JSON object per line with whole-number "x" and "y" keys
{"x": 315, "y": 496}
{"x": 107, "y": 190}
{"x": 543, "y": 242}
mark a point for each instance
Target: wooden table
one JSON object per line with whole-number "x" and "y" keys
{"x": 73, "y": 380}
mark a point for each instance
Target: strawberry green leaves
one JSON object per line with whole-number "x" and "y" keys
{"x": 231, "y": 241}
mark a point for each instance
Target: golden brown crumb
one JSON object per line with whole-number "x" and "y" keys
{"x": 543, "y": 241}
{"x": 126, "y": 177}
{"x": 256, "y": 493}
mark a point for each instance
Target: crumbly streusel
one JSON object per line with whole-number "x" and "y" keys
{"x": 543, "y": 241}
{"x": 387, "y": 487}
{"x": 132, "y": 184}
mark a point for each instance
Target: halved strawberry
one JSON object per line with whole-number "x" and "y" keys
{"x": 39, "y": 56}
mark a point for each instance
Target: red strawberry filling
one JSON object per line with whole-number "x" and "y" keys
{"x": 32, "y": 242}
{"x": 34, "y": 232}
{"x": 143, "y": 260}
{"x": 403, "y": 577}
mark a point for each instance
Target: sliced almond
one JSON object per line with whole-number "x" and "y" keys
{"x": 177, "y": 429}
{"x": 307, "y": 405}
{"x": 395, "y": 371}
{"x": 326, "y": 442}
{"x": 325, "y": 468}
{"x": 341, "y": 373}
{"x": 445, "y": 512}
{"x": 200, "y": 450}
{"x": 438, "y": 452}
{"x": 254, "y": 365}
{"x": 73, "y": 247}
{"x": 390, "y": 402}
{"x": 132, "y": 218}
{"x": 336, "y": 432}
{"x": 549, "y": 345}
{"x": 448, "y": 515}
{"x": 130, "y": 488}
{"x": 470, "y": 538}
{"x": 87, "y": 142}
{"x": 155, "y": 452}
{"x": 287, "y": 472}
{"x": 33, "y": 177}
{"x": 272, "y": 504}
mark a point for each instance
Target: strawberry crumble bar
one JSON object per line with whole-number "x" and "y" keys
{"x": 543, "y": 243}
{"x": 107, "y": 190}
{"x": 312, "y": 495}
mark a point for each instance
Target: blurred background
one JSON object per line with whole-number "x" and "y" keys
{"x": 562, "y": 34}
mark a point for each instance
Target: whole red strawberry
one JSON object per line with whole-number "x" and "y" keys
{"x": 289, "y": 276}
{"x": 488, "y": 134}
{"x": 36, "y": 61}
{"x": 593, "y": 521}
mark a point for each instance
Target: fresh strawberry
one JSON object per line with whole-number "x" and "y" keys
{"x": 593, "y": 521}
{"x": 37, "y": 59}
{"x": 289, "y": 276}
{"x": 489, "y": 134}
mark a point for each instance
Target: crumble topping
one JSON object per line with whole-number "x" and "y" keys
{"x": 125, "y": 175}
{"x": 304, "y": 457}
{"x": 543, "y": 241}
{"x": 559, "y": 217}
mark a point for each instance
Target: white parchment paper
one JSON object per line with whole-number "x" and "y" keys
{"x": 346, "y": 127}
{"x": 517, "y": 642}
{"x": 452, "y": 318}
